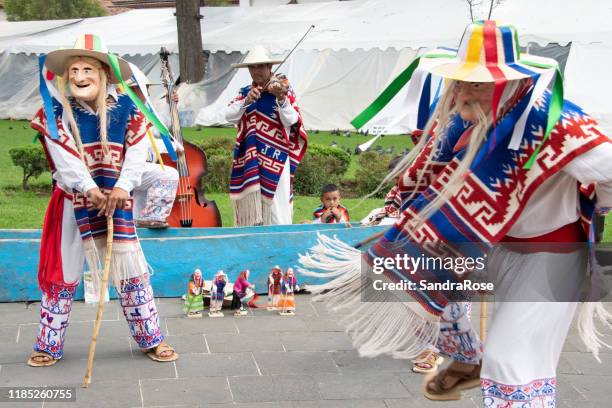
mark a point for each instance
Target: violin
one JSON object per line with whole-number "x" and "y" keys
{"x": 279, "y": 81}
{"x": 191, "y": 208}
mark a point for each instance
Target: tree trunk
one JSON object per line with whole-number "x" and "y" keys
{"x": 191, "y": 56}
{"x": 24, "y": 182}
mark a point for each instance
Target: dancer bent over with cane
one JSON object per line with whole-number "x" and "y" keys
{"x": 93, "y": 141}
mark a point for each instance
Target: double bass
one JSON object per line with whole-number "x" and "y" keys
{"x": 191, "y": 208}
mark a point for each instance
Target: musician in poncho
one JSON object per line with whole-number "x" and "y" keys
{"x": 270, "y": 144}
{"x": 93, "y": 138}
{"x": 504, "y": 163}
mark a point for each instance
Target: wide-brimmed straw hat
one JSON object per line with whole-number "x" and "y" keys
{"x": 490, "y": 53}
{"x": 86, "y": 45}
{"x": 257, "y": 55}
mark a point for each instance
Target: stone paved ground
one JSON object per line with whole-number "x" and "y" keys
{"x": 258, "y": 361}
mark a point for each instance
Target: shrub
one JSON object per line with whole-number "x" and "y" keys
{"x": 219, "y": 153}
{"x": 219, "y": 168}
{"x": 373, "y": 168}
{"x": 218, "y": 144}
{"x": 321, "y": 165}
{"x": 31, "y": 158}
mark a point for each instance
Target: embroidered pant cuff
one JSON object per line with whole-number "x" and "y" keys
{"x": 140, "y": 312}
{"x": 54, "y": 319}
{"x": 537, "y": 393}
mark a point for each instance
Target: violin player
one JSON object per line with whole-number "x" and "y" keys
{"x": 271, "y": 142}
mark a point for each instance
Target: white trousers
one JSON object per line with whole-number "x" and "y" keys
{"x": 282, "y": 205}
{"x": 524, "y": 339}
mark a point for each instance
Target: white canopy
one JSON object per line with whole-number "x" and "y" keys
{"x": 356, "y": 49}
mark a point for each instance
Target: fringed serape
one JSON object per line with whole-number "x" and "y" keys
{"x": 481, "y": 212}
{"x": 262, "y": 149}
{"x": 127, "y": 126}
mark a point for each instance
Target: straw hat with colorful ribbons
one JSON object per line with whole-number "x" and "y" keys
{"x": 487, "y": 53}
{"x": 86, "y": 45}
{"x": 90, "y": 45}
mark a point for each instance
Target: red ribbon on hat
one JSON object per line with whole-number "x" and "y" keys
{"x": 491, "y": 58}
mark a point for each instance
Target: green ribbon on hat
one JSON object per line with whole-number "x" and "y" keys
{"x": 391, "y": 90}
{"x": 385, "y": 97}
{"x": 151, "y": 117}
{"x": 554, "y": 110}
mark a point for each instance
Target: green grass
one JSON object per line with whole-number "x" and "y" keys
{"x": 25, "y": 209}
{"x": 399, "y": 142}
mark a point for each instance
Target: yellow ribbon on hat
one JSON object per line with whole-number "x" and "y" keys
{"x": 473, "y": 53}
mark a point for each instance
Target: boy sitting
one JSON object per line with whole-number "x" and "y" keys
{"x": 330, "y": 211}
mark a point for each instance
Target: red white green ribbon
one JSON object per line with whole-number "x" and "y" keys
{"x": 151, "y": 117}
{"x": 391, "y": 90}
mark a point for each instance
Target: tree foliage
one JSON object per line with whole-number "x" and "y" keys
{"x": 26, "y": 10}
{"x": 31, "y": 158}
{"x": 321, "y": 165}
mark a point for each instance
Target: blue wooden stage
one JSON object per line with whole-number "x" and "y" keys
{"x": 175, "y": 252}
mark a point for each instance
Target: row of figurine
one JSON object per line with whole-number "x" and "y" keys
{"x": 240, "y": 295}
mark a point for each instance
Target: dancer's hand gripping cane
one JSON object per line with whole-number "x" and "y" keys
{"x": 103, "y": 286}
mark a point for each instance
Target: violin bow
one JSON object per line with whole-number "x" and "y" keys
{"x": 288, "y": 55}
{"x": 291, "y": 52}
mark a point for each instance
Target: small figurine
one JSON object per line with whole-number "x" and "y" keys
{"x": 217, "y": 294}
{"x": 288, "y": 288}
{"x": 244, "y": 291}
{"x": 274, "y": 287}
{"x": 194, "y": 301}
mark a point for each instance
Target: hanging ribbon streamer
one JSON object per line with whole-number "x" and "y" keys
{"x": 43, "y": 76}
{"x": 391, "y": 90}
{"x": 385, "y": 97}
{"x": 151, "y": 117}
{"x": 554, "y": 113}
{"x": 424, "y": 104}
{"x": 155, "y": 149}
{"x": 436, "y": 97}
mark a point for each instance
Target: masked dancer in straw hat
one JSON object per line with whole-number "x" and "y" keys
{"x": 93, "y": 136}
{"x": 270, "y": 144}
{"x": 503, "y": 159}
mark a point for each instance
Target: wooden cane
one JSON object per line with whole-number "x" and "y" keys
{"x": 483, "y": 318}
{"x": 96, "y": 330}
{"x": 369, "y": 239}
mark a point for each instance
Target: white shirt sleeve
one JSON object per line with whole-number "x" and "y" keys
{"x": 235, "y": 110}
{"x": 70, "y": 171}
{"x": 133, "y": 165}
{"x": 595, "y": 166}
{"x": 287, "y": 113}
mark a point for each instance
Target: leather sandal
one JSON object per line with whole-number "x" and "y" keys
{"x": 427, "y": 362}
{"x": 448, "y": 384}
{"x": 155, "y": 353}
{"x": 36, "y": 359}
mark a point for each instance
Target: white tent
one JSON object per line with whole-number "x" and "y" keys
{"x": 356, "y": 48}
